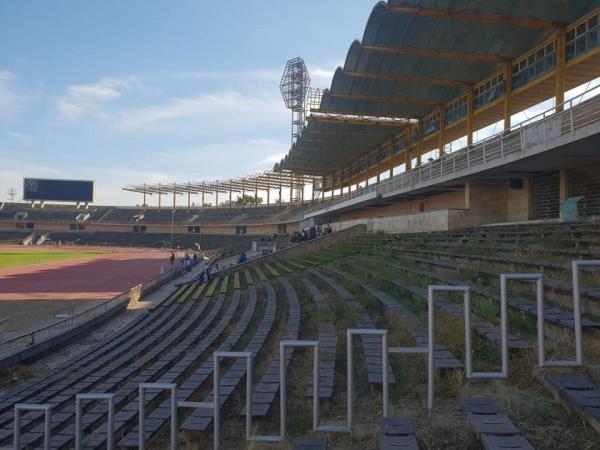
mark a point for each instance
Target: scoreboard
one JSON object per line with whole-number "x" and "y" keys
{"x": 42, "y": 189}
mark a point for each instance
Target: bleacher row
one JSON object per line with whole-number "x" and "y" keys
{"x": 370, "y": 281}
{"x": 236, "y": 243}
{"x": 144, "y": 216}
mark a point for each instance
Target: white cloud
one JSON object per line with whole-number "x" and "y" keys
{"x": 11, "y": 100}
{"x": 83, "y": 99}
{"x": 321, "y": 78}
{"x": 227, "y": 109}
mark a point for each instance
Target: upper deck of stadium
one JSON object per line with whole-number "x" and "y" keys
{"x": 437, "y": 90}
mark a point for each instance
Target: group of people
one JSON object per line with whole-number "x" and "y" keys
{"x": 206, "y": 275}
{"x": 187, "y": 262}
{"x": 303, "y": 235}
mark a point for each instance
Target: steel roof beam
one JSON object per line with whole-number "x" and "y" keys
{"x": 476, "y": 17}
{"x": 389, "y": 99}
{"x": 430, "y": 52}
{"x": 335, "y": 118}
{"x": 410, "y": 79}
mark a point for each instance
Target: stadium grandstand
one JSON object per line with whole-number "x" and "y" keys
{"x": 455, "y": 305}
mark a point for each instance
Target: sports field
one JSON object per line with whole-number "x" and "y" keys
{"x": 12, "y": 258}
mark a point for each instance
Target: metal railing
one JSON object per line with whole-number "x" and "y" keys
{"x": 563, "y": 119}
{"x": 22, "y": 341}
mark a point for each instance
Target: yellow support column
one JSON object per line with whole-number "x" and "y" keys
{"x": 419, "y": 141}
{"x": 561, "y": 43}
{"x": 470, "y": 117}
{"x": 392, "y": 149}
{"x": 407, "y": 160}
{"x": 507, "y": 94}
{"x": 441, "y": 142}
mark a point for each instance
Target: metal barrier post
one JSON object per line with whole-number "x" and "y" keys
{"x": 217, "y": 356}
{"x": 283, "y": 389}
{"x": 143, "y": 387}
{"x": 431, "y": 290}
{"x": 350, "y": 333}
{"x": 504, "y": 321}
{"x": 17, "y": 426}
{"x": 578, "y": 361}
{"x": 110, "y": 438}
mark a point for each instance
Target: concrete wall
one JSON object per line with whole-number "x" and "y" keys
{"x": 179, "y": 229}
{"x": 473, "y": 205}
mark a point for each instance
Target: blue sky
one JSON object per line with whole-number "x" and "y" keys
{"x": 156, "y": 91}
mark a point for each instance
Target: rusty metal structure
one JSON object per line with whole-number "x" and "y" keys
{"x": 265, "y": 183}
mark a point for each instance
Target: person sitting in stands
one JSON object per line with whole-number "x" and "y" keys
{"x": 304, "y": 235}
{"x": 312, "y": 232}
{"x": 200, "y": 278}
{"x": 243, "y": 258}
{"x": 194, "y": 259}
{"x": 328, "y": 229}
{"x": 172, "y": 258}
{"x": 187, "y": 263}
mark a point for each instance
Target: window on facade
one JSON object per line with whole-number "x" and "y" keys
{"x": 534, "y": 65}
{"x": 488, "y": 91}
{"x": 413, "y": 135}
{"x": 583, "y": 38}
{"x": 384, "y": 153}
{"x": 400, "y": 144}
{"x": 372, "y": 160}
{"x": 431, "y": 124}
{"x": 456, "y": 111}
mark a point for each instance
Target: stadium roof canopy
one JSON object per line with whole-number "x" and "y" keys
{"x": 415, "y": 56}
{"x": 260, "y": 181}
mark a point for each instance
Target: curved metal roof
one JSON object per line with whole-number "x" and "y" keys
{"x": 416, "y": 55}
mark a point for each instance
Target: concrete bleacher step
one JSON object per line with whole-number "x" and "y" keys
{"x": 272, "y": 270}
{"x": 577, "y": 393}
{"x": 481, "y": 326}
{"x": 186, "y": 293}
{"x": 200, "y": 375}
{"x": 224, "y": 284}
{"x": 371, "y": 344}
{"x": 260, "y": 273}
{"x": 552, "y": 315}
{"x": 296, "y": 265}
{"x": 310, "y": 443}
{"x": 443, "y": 359}
{"x": 267, "y": 388}
{"x": 171, "y": 298}
{"x": 396, "y": 433}
{"x": 248, "y": 277}
{"x": 328, "y": 341}
{"x": 283, "y": 267}
{"x": 492, "y": 426}
{"x": 236, "y": 280}
{"x": 212, "y": 287}
{"x": 198, "y": 292}
{"x": 549, "y": 284}
{"x": 135, "y": 366}
{"x": 200, "y": 419}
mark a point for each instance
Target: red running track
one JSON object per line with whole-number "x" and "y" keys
{"x": 94, "y": 278}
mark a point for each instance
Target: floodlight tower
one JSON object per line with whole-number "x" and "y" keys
{"x": 294, "y": 86}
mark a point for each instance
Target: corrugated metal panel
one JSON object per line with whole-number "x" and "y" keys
{"x": 547, "y": 196}
{"x": 585, "y": 182}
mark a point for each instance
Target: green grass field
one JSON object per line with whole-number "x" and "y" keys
{"x": 13, "y": 258}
